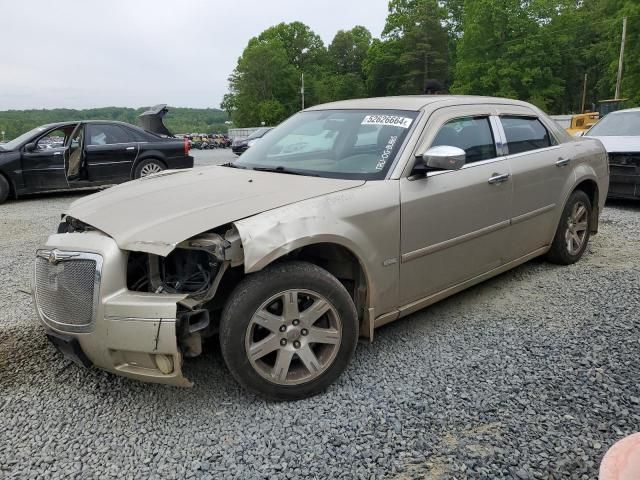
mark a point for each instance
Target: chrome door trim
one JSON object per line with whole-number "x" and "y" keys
{"x": 534, "y": 213}
{"x": 563, "y": 162}
{"x": 114, "y": 163}
{"x": 421, "y": 252}
{"x": 499, "y": 136}
{"x": 498, "y": 178}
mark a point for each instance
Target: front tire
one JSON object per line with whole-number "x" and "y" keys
{"x": 147, "y": 167}
{"x": 574, "y": 230}
{"x": 4, "y": 189}
{"x": 288, "y": 331}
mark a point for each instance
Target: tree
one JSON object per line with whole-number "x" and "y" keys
{"x": 414, "y": 48}
{"x": 348, "y": 50}
{"x": 265, "y": 85}
{"x": 504, "y": 52}
{"x": 264, "y": 74}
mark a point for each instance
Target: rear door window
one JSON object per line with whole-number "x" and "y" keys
{"x": 471, "y": 134}
{"x": 525, "y": 134}
{"x": 107, "y": 134}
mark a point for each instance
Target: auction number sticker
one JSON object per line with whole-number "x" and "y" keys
{"x": 389, "y": 120}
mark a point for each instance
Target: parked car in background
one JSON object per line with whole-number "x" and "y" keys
{"x": 344, "y": 218}
{"x": 620, "y": 134}
{"x": 71, "y": 155}
{"x": 240, "y": 146}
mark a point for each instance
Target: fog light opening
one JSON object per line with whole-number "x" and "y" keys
{"x": 164, "y": 363}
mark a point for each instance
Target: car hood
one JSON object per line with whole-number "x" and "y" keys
{"x": 156, "y": 213}
{"x": 620, "y": 144}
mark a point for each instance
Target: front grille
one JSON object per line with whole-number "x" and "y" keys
{"x": 66, "y": 288}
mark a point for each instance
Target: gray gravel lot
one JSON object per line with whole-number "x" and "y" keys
{"x": 533, "y": 374}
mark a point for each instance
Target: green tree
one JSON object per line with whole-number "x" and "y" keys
{"x": 504, "y": 52}
{"x": 348, "y": 50}
{"x": 414, "y": 48}
{"x": 264, "y": 74}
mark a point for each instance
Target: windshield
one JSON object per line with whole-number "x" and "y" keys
{"x": 258, "y": 133}
{"x": 622, "y": 124}
{"x": 16, "y": 142}
{"x": 350, "y": 144}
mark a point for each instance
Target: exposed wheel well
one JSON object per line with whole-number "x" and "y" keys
{"x": 340, "y": 262}
{"x": 591, "y": 189}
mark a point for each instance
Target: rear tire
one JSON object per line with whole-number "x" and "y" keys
{"x": 288, "y": 331}
{"x": 148, "y": 167}
{"x": 574, "y": 230}
{"x": 5, "y": 189}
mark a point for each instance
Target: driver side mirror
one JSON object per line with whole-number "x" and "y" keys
{"x": 444, "y": 157}
{"x": 29, "y": 147}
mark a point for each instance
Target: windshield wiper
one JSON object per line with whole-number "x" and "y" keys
{"x": 281, "y": 169}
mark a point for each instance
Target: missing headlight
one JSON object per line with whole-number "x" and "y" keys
{"x": 182, "y": 271}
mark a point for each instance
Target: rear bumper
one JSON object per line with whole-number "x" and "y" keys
{"x": 180, "y": 162}
{"x": 132, "y": 334}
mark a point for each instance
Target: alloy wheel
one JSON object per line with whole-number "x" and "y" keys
{"x": 150, "y": 169}
{"x": 577, "y": 225}
{"x": 293, "y": 337}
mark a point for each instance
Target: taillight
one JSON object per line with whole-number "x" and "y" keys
{"x": 186, "y": 146}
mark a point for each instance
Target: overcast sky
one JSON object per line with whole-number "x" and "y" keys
{"x": 98, "y": 53}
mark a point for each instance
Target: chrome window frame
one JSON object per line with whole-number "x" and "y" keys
{"x": 72, "y": 255}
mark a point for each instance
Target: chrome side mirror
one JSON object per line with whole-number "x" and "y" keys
{"x": 444, "y": 157}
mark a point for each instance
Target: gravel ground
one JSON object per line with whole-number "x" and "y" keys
{"x": 533, "y": 374}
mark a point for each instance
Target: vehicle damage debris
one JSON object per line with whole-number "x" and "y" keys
{"x": 195, "y": 268}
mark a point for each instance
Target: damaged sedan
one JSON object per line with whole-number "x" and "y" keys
{"x": 619, "y": 132}
{"x": 346, "y": 217}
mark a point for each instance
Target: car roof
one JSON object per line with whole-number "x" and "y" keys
{"x": 73, "y": 122}
{"x": 415, "y": 102}
{"x": 626, "y": 110}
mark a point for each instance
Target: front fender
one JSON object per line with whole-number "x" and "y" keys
{"x": 364, "y": 220}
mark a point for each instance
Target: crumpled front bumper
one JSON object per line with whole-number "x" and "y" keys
{"x": 132, "y": 334}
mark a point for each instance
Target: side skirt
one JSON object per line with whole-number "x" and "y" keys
{"x": 412, "y": 307}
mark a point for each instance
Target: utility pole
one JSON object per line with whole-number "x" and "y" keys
{"x": 302, "y": 90}
{"x": 624, "y": 35}
{"x": 426, "y": 71}
{"x": 584, "y": 93}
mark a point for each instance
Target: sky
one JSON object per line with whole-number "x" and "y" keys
{"x": 134, "y": 53}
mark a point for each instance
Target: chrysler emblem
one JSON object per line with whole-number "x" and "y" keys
{"x": 56, "y": 256}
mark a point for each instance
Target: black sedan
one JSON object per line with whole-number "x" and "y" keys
{"x": 240, "y": 146}
{"x": 71, "y": 155}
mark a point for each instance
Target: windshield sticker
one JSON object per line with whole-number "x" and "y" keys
{"x": 389, "y": 120}
{"x": 387, "y": 153}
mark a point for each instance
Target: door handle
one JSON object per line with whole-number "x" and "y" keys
{"x": 57, "y": 153}
{"x": 499, "y": 178}
{"x": 130, "y": 148}
{"x": 563, "y": 162}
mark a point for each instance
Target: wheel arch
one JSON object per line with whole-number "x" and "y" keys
{"x": 146, "y": 156}
{"x": 590, "y": 187}
{"x": 332, "y": 253}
